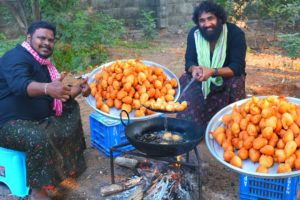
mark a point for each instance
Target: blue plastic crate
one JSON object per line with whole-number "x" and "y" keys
{"x": 252, "y": 188}
{"x": 107, "y": 132}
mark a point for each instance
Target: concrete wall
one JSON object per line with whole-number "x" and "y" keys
{"x": 168, "y": 13}
{"x": 127, "y": 10}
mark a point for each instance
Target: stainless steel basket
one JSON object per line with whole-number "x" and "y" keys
{"x": 249, "y": 168}
{"x": 114, "y": 113}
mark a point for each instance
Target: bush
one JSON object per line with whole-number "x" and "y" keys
{"x": 6, "y": 45}
{"x": 290, "y": 43}
{"x": 68, "y": 58}
{"x": 82, "y": 38}
{"x": 82, "y": 34}
{"x": 148, "y": 25}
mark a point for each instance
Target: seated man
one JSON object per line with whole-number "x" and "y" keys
{"x": 215, "y": 57}
{"x": 38, "y": 113}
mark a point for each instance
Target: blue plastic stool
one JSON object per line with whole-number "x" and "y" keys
{"x": 13, "y": 171}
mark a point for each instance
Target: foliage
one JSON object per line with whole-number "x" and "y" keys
{"x": 283, "y": 12}
{"x": 290, "y": 43}
{"x": 189, "y": 25}
{"x": 6, "y": 45}
{"x": 5, "y": 15}
{"x": 66, "y": 56}
{"x": 234, "y": 8}
{"x": 2, "y": 36}
{"x": 81, "y": 35}
{"x": 148, "y": 25}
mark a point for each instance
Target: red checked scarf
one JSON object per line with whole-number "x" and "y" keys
{"x": 57, "y": 104}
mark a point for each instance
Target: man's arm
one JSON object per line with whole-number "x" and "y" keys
{"x": 37, "y": 89}
{"x": 190, "y": 53}
{"x": 16, "y": 76}
{"x": 56, "y": 89}
{"x": 237, "y": 52}
{"x": 208, "y": 72}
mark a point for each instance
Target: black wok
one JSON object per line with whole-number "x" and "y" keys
{"x": 193, "y": 133}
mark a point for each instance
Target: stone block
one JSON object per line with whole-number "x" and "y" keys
{"x": 101, "y": 4}
{"x": 117, "y": 13}
{"x": 177, "y": 2}
{"x": 131, "y": 12}
{"x": 180, "y": 9}
{"x": 116, "y": 3}
{"x": 176, "y": 20}
{"x": 129, "y": 3}
{"x": 163, "y": 23}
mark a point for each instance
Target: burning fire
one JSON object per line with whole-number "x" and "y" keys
{"x": 159, "y": 181}
{"x": 177, "y": 164}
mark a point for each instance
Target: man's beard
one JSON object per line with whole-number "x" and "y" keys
{"x": 42, "y": 56}
{"x": 212, "y": 35}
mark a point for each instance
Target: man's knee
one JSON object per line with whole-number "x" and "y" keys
{"x": 36, "y": 138}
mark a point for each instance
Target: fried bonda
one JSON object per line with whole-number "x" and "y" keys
{"x": 133, "y": 83}
{"x": 265, "y": 130}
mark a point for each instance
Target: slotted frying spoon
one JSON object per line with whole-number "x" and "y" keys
{"x": 183, "y": 91}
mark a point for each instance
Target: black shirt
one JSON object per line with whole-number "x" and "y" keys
{"x": 235, "y": 53}
{"x": 18, "y": 69}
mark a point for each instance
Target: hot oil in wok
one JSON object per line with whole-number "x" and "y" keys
{"x": 163, "y": 137}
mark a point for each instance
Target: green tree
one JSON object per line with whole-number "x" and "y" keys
{"x": 17, "y": 10}
{"x": 82, "y": 35}
{"x": 290, "y": 43}
{"x": 283, "y": 12}
{"x": 235, "y": 9}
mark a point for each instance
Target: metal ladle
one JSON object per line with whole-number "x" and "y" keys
{"x": 181, "y": 94}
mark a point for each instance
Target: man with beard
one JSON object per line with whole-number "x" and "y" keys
{"x": 215, "y": 58}
{"x": 39, "y": 115}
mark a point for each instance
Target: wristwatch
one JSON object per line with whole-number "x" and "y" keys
{"x": 216, "y": 72}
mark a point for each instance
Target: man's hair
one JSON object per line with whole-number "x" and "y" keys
{"x": 209, "y": 6}
{"x": 41, "y": 24}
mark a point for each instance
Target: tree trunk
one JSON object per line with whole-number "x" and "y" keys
{"x": 36, "y": 11}
{"x": 17, "y": 9}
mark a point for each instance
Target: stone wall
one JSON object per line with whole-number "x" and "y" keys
{"x": 168, "y": 13}
{"x": 176, "y": 12}
{"x": 127, "y": 10}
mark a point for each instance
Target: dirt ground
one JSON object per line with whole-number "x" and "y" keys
{"x": 267, "y": 74}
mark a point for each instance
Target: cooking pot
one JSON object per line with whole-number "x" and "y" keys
{"x": 193, "y": 133}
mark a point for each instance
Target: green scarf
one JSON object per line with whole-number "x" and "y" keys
{"x": 218, "y": 59}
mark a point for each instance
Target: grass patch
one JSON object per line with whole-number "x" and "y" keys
{"x": 135, "y": 44}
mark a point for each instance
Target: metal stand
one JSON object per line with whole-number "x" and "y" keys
{"x": 170, "y": 160}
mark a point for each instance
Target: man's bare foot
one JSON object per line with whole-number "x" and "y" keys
{"x": 37, "y": 194}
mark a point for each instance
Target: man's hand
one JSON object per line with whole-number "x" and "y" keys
{"x": 82, "y": 88}
{"x": 206, "y": 73}
{"x": 85, "y": 88}
{"x": 196, "y": 72}
{"x": 58, "y": 90}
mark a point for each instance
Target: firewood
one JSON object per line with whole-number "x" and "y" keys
{"x": 153, "y": 183}
{"x": 111, "y": 189}
{"x": 126, "y": 162}
{"x": 160, "y": 188}
{"x": 132, "y": 182}
{"x": 116, "y": 188}
{"x": 137, "y": 194}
